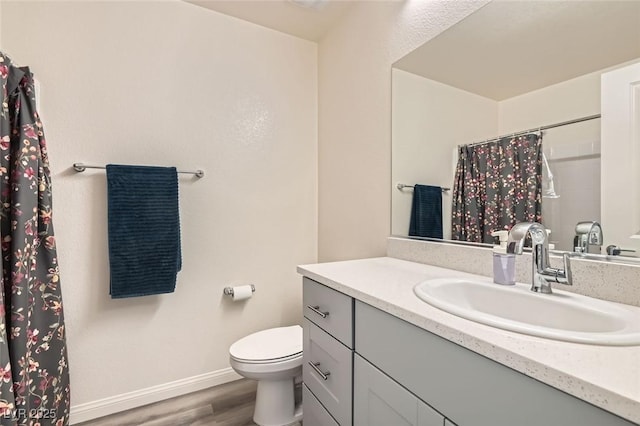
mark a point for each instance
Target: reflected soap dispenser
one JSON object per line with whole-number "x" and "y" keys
{"x": 504, "y": 264}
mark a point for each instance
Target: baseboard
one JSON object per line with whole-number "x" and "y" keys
{"x": 126, "y": 401}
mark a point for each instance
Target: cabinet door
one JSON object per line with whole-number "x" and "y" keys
{"x": 427, "y": 416}
{"x": 379, "y": 401}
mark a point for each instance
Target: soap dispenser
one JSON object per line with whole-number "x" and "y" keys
{"x": 504, "y": 264}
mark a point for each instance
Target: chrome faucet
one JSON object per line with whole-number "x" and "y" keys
{"x": 588, "y": 234}
{"x": 541, "y": 273}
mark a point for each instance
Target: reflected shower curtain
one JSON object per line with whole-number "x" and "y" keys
{"x": 497, "y": 184}
{"x": 34, "y": 376}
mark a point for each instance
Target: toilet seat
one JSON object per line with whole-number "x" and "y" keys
{"x": 267, "y": 361}
{"x": 274, "y": 345}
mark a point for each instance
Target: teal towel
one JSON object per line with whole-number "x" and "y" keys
{"x": 144, "y": 230}
{"x": 426, "y": 212}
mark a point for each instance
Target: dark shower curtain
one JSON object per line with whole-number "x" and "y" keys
{"x": 34, "y": 372}
{"x": 497, "y": 184}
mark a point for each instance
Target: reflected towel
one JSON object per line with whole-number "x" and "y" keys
{"x": 144, "y": 230}
{"x": 548, "y": 190}
{"x": 426, "y": 212}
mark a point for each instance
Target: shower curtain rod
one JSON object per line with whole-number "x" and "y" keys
{"x": 536, "y": 129}
{"x": 81, "y": 167}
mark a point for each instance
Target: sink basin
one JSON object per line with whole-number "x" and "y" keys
{"x": 560, "y": 316}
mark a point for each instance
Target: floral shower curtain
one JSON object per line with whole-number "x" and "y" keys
{"x": 34, "y": 376}
{"x": 497, "y": 184}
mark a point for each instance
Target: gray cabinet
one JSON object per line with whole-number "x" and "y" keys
{"x": 401, "y": 374}
{"x": 427, "y": 416}
{"x": 465, "y": 387}
{"x": 380, "y": 401}
{"x": 327, "y": 369}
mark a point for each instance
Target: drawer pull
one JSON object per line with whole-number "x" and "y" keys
{"x": 317, "y": 310}
{"x": 315, "y": 366}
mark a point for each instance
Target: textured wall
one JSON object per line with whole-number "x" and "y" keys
{"x": 354, "y": 78}
{"x": 169, "y": 83}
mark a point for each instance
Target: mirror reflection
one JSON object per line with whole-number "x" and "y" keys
{"x": 518, "y": 113}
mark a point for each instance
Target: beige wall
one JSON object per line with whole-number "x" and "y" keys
{"x": 169, "y": 83}
{"x": 354, "y": 74}
{"x": 571, "y": 99}
{"x": 430, "y": 120}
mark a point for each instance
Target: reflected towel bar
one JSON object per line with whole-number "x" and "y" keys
{"x": 81, "y": 167}
{"x": 402, "y": 186}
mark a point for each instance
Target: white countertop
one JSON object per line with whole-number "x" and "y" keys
{"x": 605, "y": 376}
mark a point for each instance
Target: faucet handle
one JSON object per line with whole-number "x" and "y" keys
{"x": 560, "y": 276}
{"x": 614, "y": 250}
{"x": 565, "y": 276}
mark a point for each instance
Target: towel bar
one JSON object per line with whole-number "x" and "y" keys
{"x": 81, "y": 167}
{"x": 402, "y": 186}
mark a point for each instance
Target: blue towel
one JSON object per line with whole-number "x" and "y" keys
{"x": 144, "y": 230}
{"x": 426, "y": 212}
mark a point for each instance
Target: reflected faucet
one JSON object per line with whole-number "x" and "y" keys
{"x": 542, "y": 274}
{"x": 588, "y": 234}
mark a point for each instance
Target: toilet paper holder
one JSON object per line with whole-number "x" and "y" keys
{"x": 229, "y": 290}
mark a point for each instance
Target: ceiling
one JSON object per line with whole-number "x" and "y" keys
{"x": 508, "y": 48}
{"x": 310, "y": 23}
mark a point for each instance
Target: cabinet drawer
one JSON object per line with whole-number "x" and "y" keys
{"x": 329, "y": 309}
{"x": 314, "y": 413}
{"x": 327, "y": 371}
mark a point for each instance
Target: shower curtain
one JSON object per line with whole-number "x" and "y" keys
{"x": 497, "y": 184}
{"x": 34, "y": 375}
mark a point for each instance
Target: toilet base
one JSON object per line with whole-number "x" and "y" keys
{"x": 275, "y": 403}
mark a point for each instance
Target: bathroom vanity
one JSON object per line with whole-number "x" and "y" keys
{"x": 376, "y": 355}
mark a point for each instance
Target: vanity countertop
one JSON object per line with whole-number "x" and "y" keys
{"x": 605, "y": 376}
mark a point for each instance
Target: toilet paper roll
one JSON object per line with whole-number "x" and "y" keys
{"x": 242, "y": 292}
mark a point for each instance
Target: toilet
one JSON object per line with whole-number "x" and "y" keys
{"x": 273, "y": 357}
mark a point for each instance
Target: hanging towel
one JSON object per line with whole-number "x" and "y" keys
{"x": 426, "y": 212}
{"x": 548, "y": 190}
{"x": 144, "y": 230}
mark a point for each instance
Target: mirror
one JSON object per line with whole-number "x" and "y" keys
{"x": 507, "y": 68}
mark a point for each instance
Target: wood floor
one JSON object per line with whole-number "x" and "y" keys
{"x": 230, "y": 404}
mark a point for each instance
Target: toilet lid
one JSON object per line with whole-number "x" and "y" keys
{"x": 274, "y": 343}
